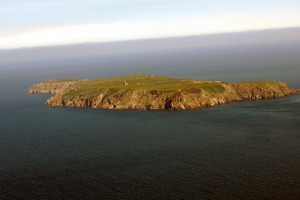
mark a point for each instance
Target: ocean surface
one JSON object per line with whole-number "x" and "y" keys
{"x": 241, "y": 150}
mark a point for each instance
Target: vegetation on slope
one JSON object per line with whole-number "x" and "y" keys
{"x": 149, "y": 92}
{"x": 92, "y": 88}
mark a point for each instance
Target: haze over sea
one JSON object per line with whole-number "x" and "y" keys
{"x": 242, "y": 150}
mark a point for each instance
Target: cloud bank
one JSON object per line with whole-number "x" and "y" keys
{"x": 145, "y": 29}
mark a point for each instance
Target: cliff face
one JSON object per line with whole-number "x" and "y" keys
{"x": 67, "y": 93}
{"x": 52, "y": 86}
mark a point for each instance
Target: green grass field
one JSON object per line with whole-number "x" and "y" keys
{"x": 94, "y": 87}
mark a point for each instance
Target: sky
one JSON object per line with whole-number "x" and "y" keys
{"x": 32, "y": 23}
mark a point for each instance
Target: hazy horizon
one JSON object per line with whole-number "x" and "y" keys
{"x": 255, "y": 55}
{"x": 263, "y": 35}
{"x": 34, "y": 23}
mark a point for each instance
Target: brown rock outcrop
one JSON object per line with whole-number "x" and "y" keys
{"x": 52, "y": 86}
{"x": 152, "y": 99}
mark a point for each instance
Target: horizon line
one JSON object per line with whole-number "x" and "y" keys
{"x": 151, "y": 38}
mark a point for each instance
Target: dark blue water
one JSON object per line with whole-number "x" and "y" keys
{"x": 246, "y": 150}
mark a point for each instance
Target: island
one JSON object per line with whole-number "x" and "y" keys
{"x": 148, "y": 92}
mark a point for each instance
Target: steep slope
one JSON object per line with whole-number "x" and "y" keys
{"x": 147, "y": 92}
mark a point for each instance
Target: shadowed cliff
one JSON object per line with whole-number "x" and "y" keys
{"x": 148, "y": 92}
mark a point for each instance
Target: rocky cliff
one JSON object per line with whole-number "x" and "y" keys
{"x": 151, "y": 93}
{"x": 52, "y": 86}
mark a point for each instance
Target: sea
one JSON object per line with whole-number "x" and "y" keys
{"x": 240, "y": 150}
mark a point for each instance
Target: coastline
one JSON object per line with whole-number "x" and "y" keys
{"x": 163, "y": 94}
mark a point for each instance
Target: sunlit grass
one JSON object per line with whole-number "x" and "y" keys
{"x": 94, "y": 87}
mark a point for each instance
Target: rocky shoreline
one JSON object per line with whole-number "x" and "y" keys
{"x": 156, "y": 99}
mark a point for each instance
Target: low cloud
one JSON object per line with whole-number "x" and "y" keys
{"x": 132, "y": 30}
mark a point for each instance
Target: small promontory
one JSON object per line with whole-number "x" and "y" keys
{"x": 148, "y": 92}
